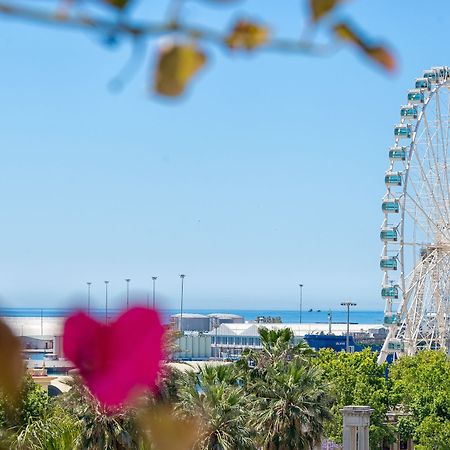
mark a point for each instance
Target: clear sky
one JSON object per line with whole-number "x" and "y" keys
{"x": 268, "y": 174}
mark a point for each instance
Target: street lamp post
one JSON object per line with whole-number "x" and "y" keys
{"x": 154, "y": 281}
{"x": 215, "y": 324}
{"x": 347, "y": 341}
{"x": 89, "y": 296}
{"x": 301, "y": 303}
{"x": 106, "y": 302}
{"x": 182, "y": 276}
{"x": 128, "y": 292}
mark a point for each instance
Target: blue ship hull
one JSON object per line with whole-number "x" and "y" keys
{"x": 337, "y": 343}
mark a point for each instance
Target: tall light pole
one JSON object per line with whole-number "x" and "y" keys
{"x": 182, "y": 276}
{"x": 301, "y": 303}
{"x": 347, "y": 341}
{"x": 128, "y": 292}
{"x": 154, "y": 281}
{"x": 89, "y": 296}
{"x": 106, "y": 302}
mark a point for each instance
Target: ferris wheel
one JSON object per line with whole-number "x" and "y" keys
{"x": 416, "y": 228}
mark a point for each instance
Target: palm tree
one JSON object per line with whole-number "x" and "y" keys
{"x": 277, "y": 346}
{"x": 214, "y": 397}
{"x": 292, "y": 403}
{"x": 291, "y": 408}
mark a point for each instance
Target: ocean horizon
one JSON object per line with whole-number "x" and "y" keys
{"x": 287, "y": 316}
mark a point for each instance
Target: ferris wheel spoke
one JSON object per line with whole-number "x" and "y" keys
{"x": 431, "y": 222}
{"x": 435, "y": 170}
{"x": 417, "y": 201}
{"x": 444, "y": 147}
{"x": 424, "y": 227}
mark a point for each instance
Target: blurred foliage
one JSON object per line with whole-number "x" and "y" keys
{"x": 11, "y": 362}
{"x": 184, "y": 51}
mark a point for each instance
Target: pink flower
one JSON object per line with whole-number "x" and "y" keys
{"x": 118, "y": 359}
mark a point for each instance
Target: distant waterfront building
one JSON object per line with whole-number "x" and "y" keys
{"x": 218, "y": 319}
{"x": 203, "y": 323}
{"x": 228, "y": 340}
{"x": 191, "y": 322}
{"x": 268, "y": 319}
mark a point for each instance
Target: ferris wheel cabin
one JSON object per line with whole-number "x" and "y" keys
{"x": 431, "y": 75}
{"x": 397, "y": 153}
{"x": 409, "y": 112}
{"x": 396, "y": 344}
{"x": 390, "y": 292}
{"x": 416, "y": 96}
{"x": 389, "y": 235}
{"x": 390, "y": 319}
{"x": 423, "y": 83}
{"x": 403, "y": 131}
{"x": 393, "y": 179}
{"x": 388, "y": 263}
{"x": 390, "y": 206}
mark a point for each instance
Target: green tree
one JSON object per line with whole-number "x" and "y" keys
{"x": 433, "y": 434}
{"x": 421, "y": 388}
{"x": 357, "y": 379}
{"x": 32, "y": 403}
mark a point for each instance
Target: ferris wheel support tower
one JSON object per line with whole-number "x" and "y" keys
{"x": 416, "y": 228}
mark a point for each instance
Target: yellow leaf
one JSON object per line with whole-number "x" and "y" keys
{"x": 383, "y": 57}
{"x": 166, "y": 431}
{"x": 346, "y": 33}
{"x": 177, "y": 64}
{"x": 377, "y": 53}
{"x": 119, "y": 4}
{"x": 11, "y": 361}
{"x": 320, "y": 8}
{"x": 247, "y": 35}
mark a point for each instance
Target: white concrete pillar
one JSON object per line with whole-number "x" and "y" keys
{"x": 356, "y": 421}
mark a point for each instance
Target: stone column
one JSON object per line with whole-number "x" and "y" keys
{"x": 356, "y": 421}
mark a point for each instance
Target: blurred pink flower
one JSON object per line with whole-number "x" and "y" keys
{"x": 117, "y": 359}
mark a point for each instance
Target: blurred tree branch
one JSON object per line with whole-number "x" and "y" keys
{"x": 180, "y": 59}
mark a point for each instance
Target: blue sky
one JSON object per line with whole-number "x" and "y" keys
{"x": 269, "y": 173}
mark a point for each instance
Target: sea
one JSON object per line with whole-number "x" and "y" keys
{"x": 287, "y": 316}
